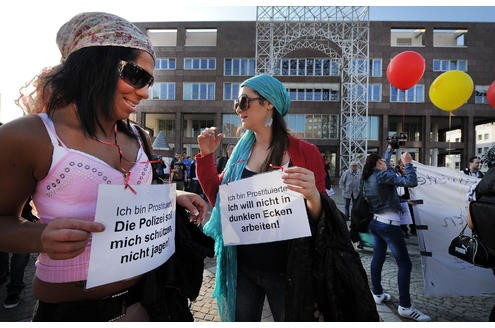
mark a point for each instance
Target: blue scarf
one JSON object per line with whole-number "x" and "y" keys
{"x": 226, "y": 275}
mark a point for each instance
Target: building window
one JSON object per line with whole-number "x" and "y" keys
{"x": 201, "y": 37}
{"x": 416, "y": 94}
{"x": 310, "y": 94}
{"x": 230, "y": 91}
{"x": 443, "y": 65}
{"x": 199, "y": 91}
{"x": 376, "y": 67}
{"x": 307, "y": 67}
{"x": 375, "y": 92}
{"x": 407, "y": 37}
{"x": 167, "y": 126}
{"x": 486, "y": 136}
{"x": 165, "y": 64}
{"x": 480, "y": 137}
{"x": 163, "y": 37}
{"x": 193, "y": 124}
{"x": 480, "y": 94}
{"x": 449, "y": 37}
{"x": 314, "y": 126}
{"x": 479, "y": 150}
{"x": 239, "y": 66}
{"x": 200, "y": 63}
{"x": 163, "y": 91}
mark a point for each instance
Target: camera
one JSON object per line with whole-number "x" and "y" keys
{"x": 397, "y": 141}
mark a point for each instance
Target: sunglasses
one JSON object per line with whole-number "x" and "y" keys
{"x": 135, "y": 75}
{"x": 243, "y": 102}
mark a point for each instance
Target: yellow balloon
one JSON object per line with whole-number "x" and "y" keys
{"x": 451, "y": 90}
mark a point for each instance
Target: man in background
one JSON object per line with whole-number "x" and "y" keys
{"x": 349, "y": 184}
{"x": 474, "y": 167}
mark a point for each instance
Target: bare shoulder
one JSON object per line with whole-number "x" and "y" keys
{"x": 28, "y": 129}
{"x": 24, "y": 142}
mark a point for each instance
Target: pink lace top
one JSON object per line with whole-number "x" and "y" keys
{"x": 70, "y": 189}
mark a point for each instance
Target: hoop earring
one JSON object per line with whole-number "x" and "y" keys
{"x": 268, "y": 121}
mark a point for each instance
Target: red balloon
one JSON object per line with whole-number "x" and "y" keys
{"x": 490, "y": 95}
{"x": 405, "y": 70}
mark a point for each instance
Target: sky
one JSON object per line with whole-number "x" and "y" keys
{"x": 28, "y": 27}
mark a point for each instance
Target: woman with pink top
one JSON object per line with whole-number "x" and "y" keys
{"x": 77, "y": 138}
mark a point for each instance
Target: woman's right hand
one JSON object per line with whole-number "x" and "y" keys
{"x": 208, "y": 141}
{"x": 65, "y": 238}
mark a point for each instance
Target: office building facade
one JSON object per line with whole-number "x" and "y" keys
{"x": 200, "y": 66}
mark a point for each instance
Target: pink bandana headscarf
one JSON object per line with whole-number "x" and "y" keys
{"x": 100, "y": 29}
{"x": 86, "y": 30}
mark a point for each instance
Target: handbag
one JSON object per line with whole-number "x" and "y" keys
{"x": 471, "y": 250}
{"x": 360, "y": 214}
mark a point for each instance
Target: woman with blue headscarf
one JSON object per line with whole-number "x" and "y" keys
{"x": 281, "y": 270}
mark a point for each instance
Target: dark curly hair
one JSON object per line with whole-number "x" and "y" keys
{"x": 370, "y": 165}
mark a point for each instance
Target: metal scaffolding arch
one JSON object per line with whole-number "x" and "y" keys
{"x": 340, "y": 33}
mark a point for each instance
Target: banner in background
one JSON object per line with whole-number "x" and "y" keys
{"x": 443, "y": 214}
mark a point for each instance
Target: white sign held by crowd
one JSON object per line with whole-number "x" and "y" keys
{"x": 139, "y": 232}
{"x": 261, "y": 209}
{"x": 441, "y": 217}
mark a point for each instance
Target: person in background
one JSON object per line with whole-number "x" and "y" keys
{"x": 283, "y": 270}
{"x": 380, "y": 188}
{"x": 179, "y": 173}
{"x": 223, "y": 160}
{"x": 18, "y": 263}
{"x": 485, "y": 187}
{"x": 474, "y": 168}
{"x": 349, "y": 184}
{"x": 77, "y": 138}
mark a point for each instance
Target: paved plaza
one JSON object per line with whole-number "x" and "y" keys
{"x": 440, "y": 309}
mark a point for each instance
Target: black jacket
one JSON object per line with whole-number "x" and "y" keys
{"x": 325, "y": 275}
{"x": 167, "y": 289}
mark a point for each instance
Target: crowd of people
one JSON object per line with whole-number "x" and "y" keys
{"x": 78, "y": 136}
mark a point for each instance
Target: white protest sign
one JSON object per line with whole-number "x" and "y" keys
{"x": 261, "y": 209}
{"x": 139, "y": 232}
{"x": 405, "y": 215}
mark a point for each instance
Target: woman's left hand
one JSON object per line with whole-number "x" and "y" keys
{"x": 192, "y": 202}
{"x": 302, "y": 180}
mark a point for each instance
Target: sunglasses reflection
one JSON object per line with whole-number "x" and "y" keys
{"x": 135, "y": 75}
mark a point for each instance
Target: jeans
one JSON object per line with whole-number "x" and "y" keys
{"x": 252, "y": 286}
{"x": 347, "y": 206}
{"x": 386, "y": 234}
{"x": 18, "y": 262}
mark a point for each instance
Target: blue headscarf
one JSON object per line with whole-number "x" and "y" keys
{"x": 226, "y": 274}
{"x": 272, "y": 90}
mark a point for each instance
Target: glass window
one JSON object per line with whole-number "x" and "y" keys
{"x": 376, "y": 67}
{"x": 314, "y": 126}
{"x": 480, "y": 94}
{"x": 199, "y": 91}
{"x": 443, "y": 65}
{"x": 200, "y": 63}
{"x": 193, "y": 124}
{"x": 317, "y": 67}
{"x": 228, "y": 66}
{"x": 165, "y": 63}
{"x": 162, "y": 91}
{"x": 293, "y": 67}
{"x": 375, "y": 92}
{"x": 415, "y": 94}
